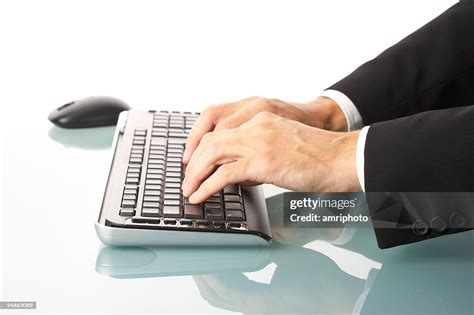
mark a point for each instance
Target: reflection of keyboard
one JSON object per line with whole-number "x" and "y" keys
{"x": 143, "y": 203}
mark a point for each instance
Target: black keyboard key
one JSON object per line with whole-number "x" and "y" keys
{"x": 186, "y": 222}
{"x": 129, "y": 197}
{"x": 133, "y": 170}
{"x": 214, "y": 214}
{"x": 152, "y": 192}
{"x": 169, "y": 221}
{"x": 128, "y": 203}
{"x": 175, "y": 191}
{"x": 232, "y": 189}
{"x": 153, "y": 182}
{"x": 171, "y": 211}
{"x": 133, "y": 186}
{"x": 147, "y": 221}
{"x": 208, "y": 206}
{"x": 192, "y": 211}
{"x": 173, "y": 180}
{"x": 219, "y": 224}
{"x": 135, "y": 160}
{"x": 234, "y": 205}
{"x": 155, "y": 171}
{"x": 235, "y": 225}
{"x": 131, "y": 180}
{"x": 173, "y": 174}
{"x": 158, "y": 141}
{"x": 127, "y": 212}
{"x": 158, "y": 160}
{"x": 133, "y": 175}
{"x": 175, "y": 160}
{"x": 173, "y": 164}
{"x": 152, "y": 198}
{"x": 160, "y": 156}
{"x": 234, "y": 215}
{"x": 140, "y": 132}
{"x": 160, "y": 177}
{"x": 172, "y": 196}
{"x": 130, "y": 191}
{"x": 138, "y": 142}
{"x": 172, "y": 202}
{"x": 215, "y": 199}
{"x": 160, "y": 152}
{"x": 177, "y": 135}
{"x": 202, "y": 224}
{"x": 159, "y": 134}
{"x": 150, "y": 212}
{"x": 153, "y": 187}
{"x": 232, "y": 198}
{"x": 147, "y": 204}
{"x": 172, "y": 185}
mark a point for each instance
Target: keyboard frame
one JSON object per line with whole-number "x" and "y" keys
{"x": 114, "y": 229}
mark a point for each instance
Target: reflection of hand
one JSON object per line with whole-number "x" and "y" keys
{"x": 275, "y": 150}
{"x": 321, "y": 113}
{"x": 304, "y": 282}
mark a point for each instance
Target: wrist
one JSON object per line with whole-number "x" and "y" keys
{"x": 344, "y": 166}
{"x": 325, "y": 113}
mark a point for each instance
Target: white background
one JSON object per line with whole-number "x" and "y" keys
{"x": 187, "y": 54}
{"x": 175, "y": 55}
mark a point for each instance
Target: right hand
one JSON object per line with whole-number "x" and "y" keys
{"x": 322, "y": 113}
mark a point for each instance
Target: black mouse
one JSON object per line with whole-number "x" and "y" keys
{"x": 94, "y": 111}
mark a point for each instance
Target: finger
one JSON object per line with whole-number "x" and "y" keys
{"x": 245, "y": 114}
{"x": 204, "y": 124}
{"x": 211, "y": 142}
{"x": 216, "y": 148}
{"x": 237, "y": 119}
{"x": 207, "y": 121}
{"x": 226, "y": 174}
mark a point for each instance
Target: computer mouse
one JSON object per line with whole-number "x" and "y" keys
{"x": 95, "y": 111}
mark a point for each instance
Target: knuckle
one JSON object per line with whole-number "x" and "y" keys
{"x": 206, "y": 138}
{"x": 264, "y": 115}
{"x": 210, "y": 112}
{"x": 225, "y": 173}
{"x": 261, "y": 102}
{"x": 224, "y": 124}
{"x": 250, "y": 99}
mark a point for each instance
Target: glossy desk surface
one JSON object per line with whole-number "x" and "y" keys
{"x": 53, "y": 181}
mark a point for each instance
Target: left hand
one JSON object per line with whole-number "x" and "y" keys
{"x": 274, "y": 150}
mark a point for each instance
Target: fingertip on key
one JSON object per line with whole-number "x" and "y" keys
{"x": 193, "y": 198}
{"x": 185, "y": 158}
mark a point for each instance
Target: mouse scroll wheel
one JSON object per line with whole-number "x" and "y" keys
{"x": 65, "y": 105}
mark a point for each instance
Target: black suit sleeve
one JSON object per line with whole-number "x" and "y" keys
{"x": 433, "y": 68}
{"x": 431, "y": 151}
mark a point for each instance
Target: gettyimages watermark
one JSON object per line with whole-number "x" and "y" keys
{"x": 422, "y": 212}
{"x": 17, "y": 305}
{"x": 325, "y": 210}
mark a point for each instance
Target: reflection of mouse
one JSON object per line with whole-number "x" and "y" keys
{"x": 96, "y": 111}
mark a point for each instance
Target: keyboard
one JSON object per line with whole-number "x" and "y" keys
{"x": 143, "y": 202}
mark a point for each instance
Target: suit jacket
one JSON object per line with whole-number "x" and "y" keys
{"x": 418, "y": 97}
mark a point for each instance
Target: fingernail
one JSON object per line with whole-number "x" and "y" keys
{"x": 185, "y": 155}
{"x": 193, "y": 197}
{"x": 185, "y": 189}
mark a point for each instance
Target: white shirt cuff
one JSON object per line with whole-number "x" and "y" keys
{"x": 360, "y": 159}
{"x": 354, "y": 120}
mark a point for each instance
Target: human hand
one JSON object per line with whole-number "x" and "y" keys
{"x": 322, "y": 113}
{"x": 274, "y": 150}
{"x": 304, "y": 281}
